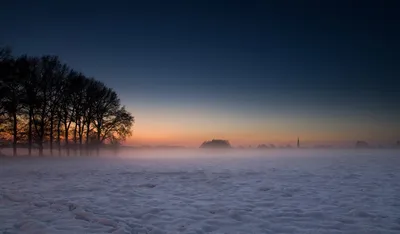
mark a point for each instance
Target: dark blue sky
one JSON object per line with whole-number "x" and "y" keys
{"x": 315, "y": 60}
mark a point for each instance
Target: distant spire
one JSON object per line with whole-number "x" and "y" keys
{"x": 298, "y": 142}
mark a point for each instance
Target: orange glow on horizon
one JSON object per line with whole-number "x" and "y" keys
{"x": 155, "y": 125}
{"x": 245, "y": 140}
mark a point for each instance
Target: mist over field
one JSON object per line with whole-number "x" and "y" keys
{"x": 203, "y": 191}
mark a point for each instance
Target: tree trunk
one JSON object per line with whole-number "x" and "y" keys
{"x": 80, "y": 143}
{"x": 51, "y": 133}
{"x": 75, "y": 138}
{"x": 66, "y": 137}
{"x": 87, "y": 136}
{"x": 80, "y": 133}
{"x": 41, "y": 147}
{"x": 41, "y": 137}
{"x": 98, "y": 138}
{"x": 59, "y": 136}
{"x": 15, "y": 134}
{"x": 75, "y": 132}
{"x": 30, "y": 131}
{"x": 99, "y": 133}
{"x": 87, "y": 132}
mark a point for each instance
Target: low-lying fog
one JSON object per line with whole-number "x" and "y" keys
{"x": 203, "y": 191}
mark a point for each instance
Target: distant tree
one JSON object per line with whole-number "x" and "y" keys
{"x": 216, "y": 143}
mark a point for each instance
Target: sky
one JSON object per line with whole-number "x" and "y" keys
{"x": 251, "y": 72}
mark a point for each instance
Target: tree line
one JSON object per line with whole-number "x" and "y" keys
{"x": 45, "y": 103}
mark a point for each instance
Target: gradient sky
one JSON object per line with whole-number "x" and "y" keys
{"x": 248, "y": 71}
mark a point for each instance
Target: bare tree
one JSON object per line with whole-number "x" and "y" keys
{"x": 71, "y": 104}
{"x": 56, "y": 89}
{"x": 11, "y": 96}
{"x": 105, "y": 107}
{"x": 28, "y": 67}
{"x": 47, "y": 72}
{"x": 117, "y": 126}
{"x": 42, "y": 99}
{"x": 5, "y": 59}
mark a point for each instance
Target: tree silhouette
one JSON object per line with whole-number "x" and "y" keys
{"x": 5, "y": 69}
{"x": 42, "y": 100}
{"x": 29, "y": 98}
{"x": 11, "y": 96}
{"x": 216, "y": 143}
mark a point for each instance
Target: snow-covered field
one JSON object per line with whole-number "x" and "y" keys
{"x": 265, "y": 192}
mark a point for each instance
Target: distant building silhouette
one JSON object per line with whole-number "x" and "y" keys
{"x": 216, "y": 143}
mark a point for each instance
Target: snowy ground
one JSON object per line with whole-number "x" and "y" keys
{"x": 267, "y": 192}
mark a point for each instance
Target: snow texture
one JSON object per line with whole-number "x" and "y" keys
{"x": 268, "y": 192}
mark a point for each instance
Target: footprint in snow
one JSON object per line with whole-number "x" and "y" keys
{"x": 147, "y": 185}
